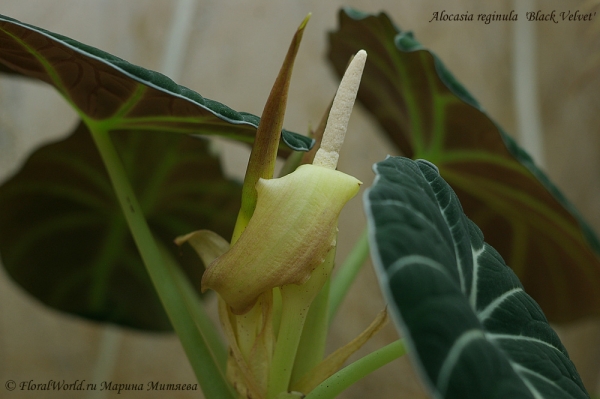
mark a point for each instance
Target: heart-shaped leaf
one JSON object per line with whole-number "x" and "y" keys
{"x": 429, "y": 115}
{"x": 470, "y": 327}
{"x": 105, "y": 89}
{"x": 64, "y": 238}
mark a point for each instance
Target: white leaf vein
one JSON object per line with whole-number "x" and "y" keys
{"x": 454, "y": 355}
{"x": 496, "y": 303}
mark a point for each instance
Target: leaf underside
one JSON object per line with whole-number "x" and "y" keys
{"x": 470, "y": 326}
{"x": 63, "y": 236}
{"x": 105, "y": 89}
{"x": 429, "y": 115}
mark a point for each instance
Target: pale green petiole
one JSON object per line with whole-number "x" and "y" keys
{"x": 352, "y": 373}
{"x": 167, "y": 283}
{"x": 347, "y": 273}
{"x": 314, "y": 335}
{"x": 295, "y": 304}
{"x": 293, "y": 315}
{"x": 196, "y": 309}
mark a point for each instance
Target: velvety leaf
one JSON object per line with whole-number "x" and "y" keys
{"x": 470, "y": 327}
{"x": 64, "y": 238}
{"x": 429, "y": 115}
{"x": 102, "y": 87}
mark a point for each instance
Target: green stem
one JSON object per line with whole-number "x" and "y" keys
{"x": 293, "y": 315}
{"x": 295, "y": 304}
{"x": 352, "y": 373}
{"x": 314, "y": 336}
{"x": 206, "y": 368}
{"x": 347, "y": 273}
{"x": 196, "y": 309}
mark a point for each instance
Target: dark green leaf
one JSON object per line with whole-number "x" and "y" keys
{"x": 429, "y": 115}
{"x": 106, "y": 89}
{"x": 63, "y": 236}
{"x": 470, "y": 327}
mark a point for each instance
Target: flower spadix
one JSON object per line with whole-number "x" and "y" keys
{"x": 294, "y": 224}
{"x": 291, "y": 231}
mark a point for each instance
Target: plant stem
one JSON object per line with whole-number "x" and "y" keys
{"x": 293, "y": 315}
{"x": 295, "y": 304}
{"x": 347, "y": 273}
{"x": 352, "y": 373}
{"x": 196, "y": 309}
{"x": 314, "y": 336}
{"x": 206, "y": 368}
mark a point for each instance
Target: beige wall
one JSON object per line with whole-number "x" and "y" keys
{"x": 235, "y": 51}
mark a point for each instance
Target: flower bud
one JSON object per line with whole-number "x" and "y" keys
{"x": 291, "y": 231}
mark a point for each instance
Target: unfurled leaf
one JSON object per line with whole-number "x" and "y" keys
{"x": 63, "y": 236}
{"x": 429, "y": 115}
{"x": 471, "y": 329}
{"x": 105, "y": 89}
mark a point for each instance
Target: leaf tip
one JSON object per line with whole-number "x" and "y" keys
{"x": 305, "y": 21}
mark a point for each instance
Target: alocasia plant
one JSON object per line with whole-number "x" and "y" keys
{"x": 468, "y": 324}
{"x": 471, "y": 327}
{"x": 429, "y": 115}
{"x": 145, "y": 100}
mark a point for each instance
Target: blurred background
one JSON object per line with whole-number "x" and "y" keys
{"x": 231, "y": 51}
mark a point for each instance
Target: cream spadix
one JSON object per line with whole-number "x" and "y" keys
{"x": 291, "y": 231}
{"x": 339, "y": 116}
